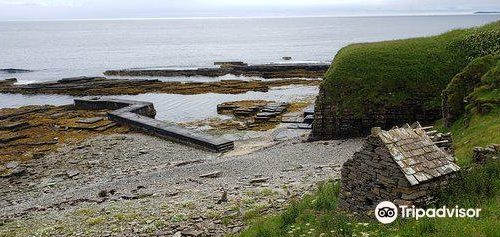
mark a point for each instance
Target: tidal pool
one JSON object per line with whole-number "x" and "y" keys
{"x": 173, "y": 107}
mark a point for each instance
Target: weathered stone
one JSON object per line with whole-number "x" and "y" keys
{"x": 90, "y": 120}
{"x": 140, "y": 115}
{"x": 13, "y": 138}
{"x": 380, "y": 171}
{"x": 72, "y": 173}
{"x": 214, "y": 174}
{"x": 187, "y": 162}
{"x": 223, "y": 198}
{"x": 12, "y": 165}
{"x": 15, "y": 126}
{"x": 191, "y": 233}
{"x": 18, "y": 171}
{"x": 177, "y": 234}
{"x": 307, "y": 70}
{"x": 259, "y": 180}
{"x": 483, "y": 154}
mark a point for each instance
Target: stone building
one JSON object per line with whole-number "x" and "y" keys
{"x": 402, "y": 165}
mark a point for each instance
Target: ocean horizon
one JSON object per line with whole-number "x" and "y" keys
{"x": 445, "y": 13}
{"x": 59, "y": 49}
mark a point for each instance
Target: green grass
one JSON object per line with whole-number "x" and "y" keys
{"x": 478, "y": 186}
{"x": 465, "y": 82}
{"x": 317, "y": 215}
{"x": 370, "y": 71}
{"x": 478, "y": 130}
{"x": 478, "y": 121}
{"x": 393, "y": 72}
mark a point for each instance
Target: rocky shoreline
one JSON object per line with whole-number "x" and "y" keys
{"x": 289, "y": 70}
{"x": 31, "y": 132}
{"x": 84, "y": 86}
{"x": 71, "y": 172}
{"x": 176, "y": 190}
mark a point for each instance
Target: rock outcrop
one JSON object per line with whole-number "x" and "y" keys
{"x": 291, "y": 70}
{"x": 83, "y": 86}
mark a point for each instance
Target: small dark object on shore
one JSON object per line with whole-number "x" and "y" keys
{"x": 103, "y": 193}
{"x": 223, "y": 198}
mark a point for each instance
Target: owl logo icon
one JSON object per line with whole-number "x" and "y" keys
{"x": 386, "y": 212}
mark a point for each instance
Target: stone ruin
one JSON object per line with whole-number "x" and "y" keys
{"x": 333, "y": 121}
{"x": 484, "y": 154}
{"x": 259, "y": 111}
{"x": 402, "y": 165}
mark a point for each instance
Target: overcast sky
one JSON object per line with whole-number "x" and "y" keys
{"x": 77, "y": 9}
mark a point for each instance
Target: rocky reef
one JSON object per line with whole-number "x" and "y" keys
{"x": 14, "y": 70}
{"x": 291, "y": 70}
{"x": 82, "y": 86}
{"x": 32, "y": 132}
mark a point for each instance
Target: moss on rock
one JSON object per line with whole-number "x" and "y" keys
{"x": 462, "y": 85}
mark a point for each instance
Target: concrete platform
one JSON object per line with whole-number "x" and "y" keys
{"x": 140, "y": 115}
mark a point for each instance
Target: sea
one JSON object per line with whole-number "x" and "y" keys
{"x": 66, "y": 48}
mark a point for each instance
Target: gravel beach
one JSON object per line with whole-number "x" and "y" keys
{"x": 132, "y": 185}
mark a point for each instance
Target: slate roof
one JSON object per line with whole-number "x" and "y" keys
{"x": 417, "y": 156}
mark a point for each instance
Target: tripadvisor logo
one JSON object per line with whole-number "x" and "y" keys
{"x": 387, "y": 212}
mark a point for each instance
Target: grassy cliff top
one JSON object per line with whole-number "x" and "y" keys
{"x": 478, "y": 186}
{"x": 478, "y": 123}
{"x": 392, "y": 72}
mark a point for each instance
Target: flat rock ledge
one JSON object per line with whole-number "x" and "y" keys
{"x": 288, "y": 70}
{"x": 140, "y": 115}
{"x": 89, "y": 86}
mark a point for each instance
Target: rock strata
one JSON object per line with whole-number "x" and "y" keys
{"x": 101, "y": 86}
{"x": 290, "y": 70}
{"x": 32, "y": 132}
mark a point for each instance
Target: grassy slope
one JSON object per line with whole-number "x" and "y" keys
{"x": 392, "y": 72}
{"x": 477, "y": 127}
{"x": 317, "y": 215}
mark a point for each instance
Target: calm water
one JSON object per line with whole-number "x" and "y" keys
{"x": 177, "y": 108}
{"x": 57, "y": 49}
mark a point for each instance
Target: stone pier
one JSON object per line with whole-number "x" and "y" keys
{"x": 140, "y": 115}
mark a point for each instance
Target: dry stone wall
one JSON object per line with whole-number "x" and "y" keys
{"x": 374, "y": 175}
{"x": 331, "y": 122}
